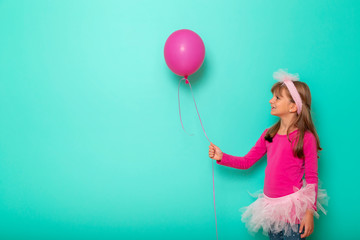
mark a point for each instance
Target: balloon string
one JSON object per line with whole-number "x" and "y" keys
{"x": 213, "y": 178}
{"x": 198, "y": 113}
{"x": 180, "y": 109}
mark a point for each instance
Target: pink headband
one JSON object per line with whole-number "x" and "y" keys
{"x": 287, "y": 79}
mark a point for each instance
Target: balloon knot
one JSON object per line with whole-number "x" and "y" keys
{"x": 186, "y": 80}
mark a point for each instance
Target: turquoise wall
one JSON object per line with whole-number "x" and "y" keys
{"x": 91, "y": 146}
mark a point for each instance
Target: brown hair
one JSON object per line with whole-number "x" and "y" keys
{"x": 303, "y": 120}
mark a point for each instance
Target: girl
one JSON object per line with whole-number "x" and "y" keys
{"x": 286, "y": 208}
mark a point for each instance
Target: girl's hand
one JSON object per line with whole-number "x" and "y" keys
{"x": 308, "y": 223}
{"x": 215, "y": 152}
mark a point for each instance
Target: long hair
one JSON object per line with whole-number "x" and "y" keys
{"x": 303, "y": 120}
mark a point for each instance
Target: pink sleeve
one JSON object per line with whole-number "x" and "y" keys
{"x": 256, "y": 152}
{"x": 311, "y": 163}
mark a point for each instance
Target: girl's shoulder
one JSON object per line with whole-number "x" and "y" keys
{"x": 264, "y": 132}
{"x": 309, "y": 137}
{"x": 309, "y": 134}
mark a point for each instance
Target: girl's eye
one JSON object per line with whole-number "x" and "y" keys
{"x": 277, "y": 97}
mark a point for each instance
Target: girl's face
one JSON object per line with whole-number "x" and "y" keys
{"x": 281, "y": 105}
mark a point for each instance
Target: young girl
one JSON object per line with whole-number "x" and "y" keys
{"x": 286, "y": 208}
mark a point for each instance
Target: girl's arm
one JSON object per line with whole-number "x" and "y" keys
{"x": 256, "y": 152}
{"x": 311, "y": 163}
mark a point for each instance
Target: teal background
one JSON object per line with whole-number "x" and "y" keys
{"x": 91, "y": 146}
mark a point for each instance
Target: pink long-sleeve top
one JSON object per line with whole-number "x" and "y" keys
{"x": 283, "y": 170}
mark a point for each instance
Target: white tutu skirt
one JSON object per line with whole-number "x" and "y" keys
{"x": 283, "y": 213}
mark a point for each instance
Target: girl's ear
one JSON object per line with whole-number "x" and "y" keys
{"x": 293, "y": 107}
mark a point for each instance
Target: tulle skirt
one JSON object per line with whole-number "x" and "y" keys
{"x": 283, "y": 213}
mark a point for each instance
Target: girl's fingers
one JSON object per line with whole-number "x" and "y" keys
{"x": 212, "y": 150}
{"x": 213, "y": 145}
{"x": 310, "y": 232}
{"x": 301, "y": 228}
{"x": 305, "y": 234}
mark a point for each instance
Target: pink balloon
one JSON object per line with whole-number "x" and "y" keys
{"x": 184, "y": 52}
